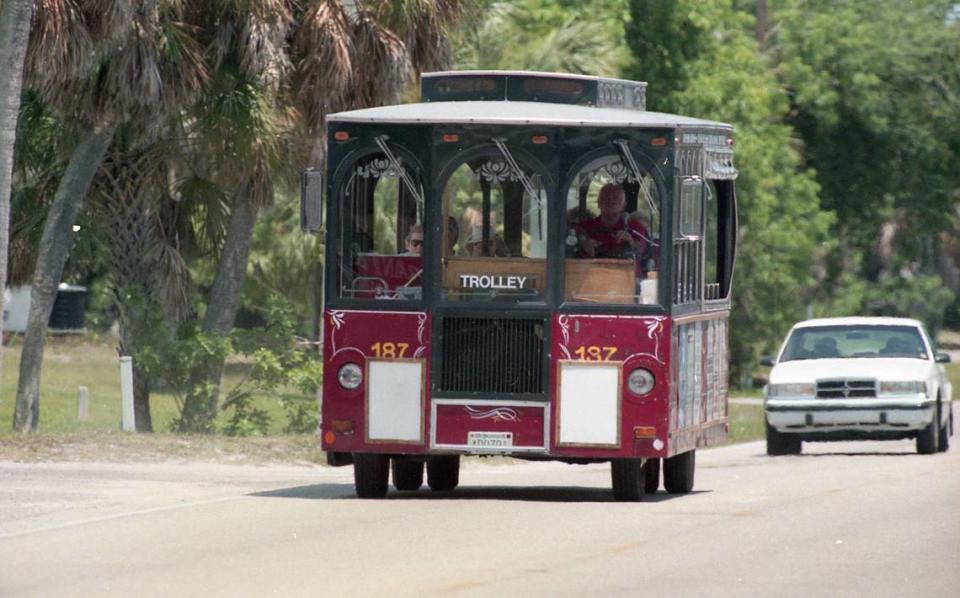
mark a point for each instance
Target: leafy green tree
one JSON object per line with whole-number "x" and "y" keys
{"x": 544, "y": 35}
{"x": 873, "y": 91}
{"x": 722, "y": 75}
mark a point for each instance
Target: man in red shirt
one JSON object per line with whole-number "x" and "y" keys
{"x": 612, "y": 234}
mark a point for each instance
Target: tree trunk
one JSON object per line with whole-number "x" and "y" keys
{"x": 201, "y": 407}
{"x": 54, "y": 248}
{"x": 14, "y": 35}
{"x": 141, "y": 379}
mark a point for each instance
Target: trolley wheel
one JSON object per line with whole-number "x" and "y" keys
{"x": 651, "y": 476}
{"x": 443, "y": 472}
{"x": 782, "y": 444}
{"x": 628, "y": 479}
{"x": 407, "y": 473}
{"x": 370, "y": 474}
{"x": 678, "y": 472}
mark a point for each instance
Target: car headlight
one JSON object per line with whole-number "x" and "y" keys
{"x": 641, "y": 381}
{"x": 350, "y": 376}
{"x": 793, "y": 389}
{"x": 902, "y": 387}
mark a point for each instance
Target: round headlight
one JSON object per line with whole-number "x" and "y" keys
{"x": 350, "y": 376}
{"x": 640, "y": 381}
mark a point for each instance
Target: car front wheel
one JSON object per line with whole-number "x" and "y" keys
{"x": 782, "y": 444}
{"x": 927, "y": 438}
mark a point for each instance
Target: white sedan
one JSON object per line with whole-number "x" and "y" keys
{"x": 857, "y": 378}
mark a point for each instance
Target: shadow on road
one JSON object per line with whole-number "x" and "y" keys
{"x": 507, "y": 493}
{"x": 857, "y": 454}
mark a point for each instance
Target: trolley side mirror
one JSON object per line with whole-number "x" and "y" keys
{"x": 767, "y": 360}
{"x": 311, "y": 201}
{"x": 943, "y": 357}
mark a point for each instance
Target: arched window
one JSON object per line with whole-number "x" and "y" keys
{"x": 495, "y": 239}
{"x": 381, "y": 208}
{"x": 612, "y": 233}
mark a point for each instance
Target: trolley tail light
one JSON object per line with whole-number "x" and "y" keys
{"x": 645, "y": 432}
{"x": 341, "y": 135}
{"x": 540, "y": 139}
{"x": 342, "y": 426}
{"x": 451, "y": 138}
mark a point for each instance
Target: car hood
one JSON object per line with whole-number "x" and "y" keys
{"x": 810, "y": 370}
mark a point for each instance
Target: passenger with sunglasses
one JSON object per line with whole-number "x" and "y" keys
{"x": 414, "y": 241}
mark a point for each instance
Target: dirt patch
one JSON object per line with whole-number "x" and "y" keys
{"x": 117, "y": 447}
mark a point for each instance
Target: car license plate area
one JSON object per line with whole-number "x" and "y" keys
{"x": 493, "y": 440}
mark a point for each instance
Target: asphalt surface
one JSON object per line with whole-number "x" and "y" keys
{"x": 843, "y": 519}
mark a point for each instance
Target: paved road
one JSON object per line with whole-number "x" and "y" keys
{"x": 850, "y": 519}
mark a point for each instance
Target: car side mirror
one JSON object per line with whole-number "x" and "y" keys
{"x": 767, "y": 360}
{"x": 942, "y": 357}
{"x": 311, "y": 201}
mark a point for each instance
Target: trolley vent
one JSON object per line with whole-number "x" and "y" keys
{"x": 496, "y": 356}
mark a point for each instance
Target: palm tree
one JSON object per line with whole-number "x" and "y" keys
{"x": 99, "y": 65}
{"x": 14, "y": 36}
{"x": 522, "y": 35}
{"x": 340, "y": 55}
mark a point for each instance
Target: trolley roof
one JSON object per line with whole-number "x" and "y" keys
{"x": 518, "y": 113}
{"x": 525, "y": 98}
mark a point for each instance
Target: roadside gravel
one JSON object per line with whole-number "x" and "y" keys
{"x": 118, "y": 447}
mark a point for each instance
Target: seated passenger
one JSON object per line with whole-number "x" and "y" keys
{"x": 474, "y": 246}
{"x": 414, "y": 241}
{"x": 612, "y": 234}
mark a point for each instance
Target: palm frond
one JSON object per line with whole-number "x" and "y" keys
{"x": 262, "y": 45}
{"x": 60, "y": 49}
{"x": 323, "y": 58}
{"x": 385, "y": 66}
{"x": 108, "y": 21}
{"x": 425, "y": 27}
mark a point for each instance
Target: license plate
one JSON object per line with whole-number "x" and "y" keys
{"x": 490, "y": 439}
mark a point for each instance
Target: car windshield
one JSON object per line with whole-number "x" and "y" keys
{"x": 825, "y": 342}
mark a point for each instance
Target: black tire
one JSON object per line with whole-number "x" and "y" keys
{"x": 678, "y": 472}
{"x": 407, "y": 474}
{"x": 370, "y": 474}
{"x": 943, "y": 434}
{"x": 782, "y": 444}
{"x": 443, "y": 472}
{"x": 651, "y": 476}
{"x": 628, "y": 480}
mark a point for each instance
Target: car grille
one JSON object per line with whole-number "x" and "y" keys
{"x": 501, "y": 355}
{"x": 846, "y": 389}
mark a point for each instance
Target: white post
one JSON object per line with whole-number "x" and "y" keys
{"x": 83, "y": 403}
{"x": 126, "y": 394}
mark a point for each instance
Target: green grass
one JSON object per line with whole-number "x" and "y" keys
{"x": 71, "y": 362}
{"x": 746, "y": 423}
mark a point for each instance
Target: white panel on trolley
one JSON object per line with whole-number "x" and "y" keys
{"x": 395, "y": 400}
{"x": 589, "y": 403}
